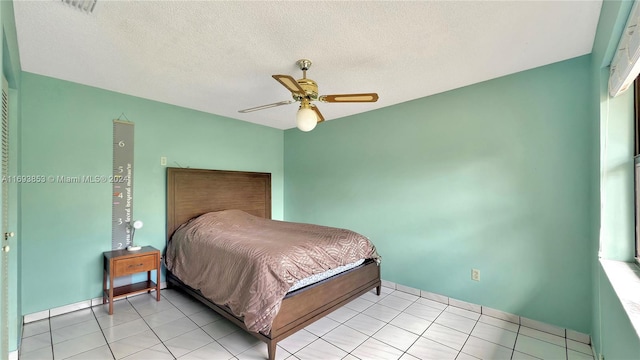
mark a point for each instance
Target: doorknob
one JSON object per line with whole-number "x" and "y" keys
{"x": 6, "y": 248}
{"x": 8, "y": 235}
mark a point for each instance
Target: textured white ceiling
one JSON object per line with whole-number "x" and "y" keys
{"x": 218, "y": 57}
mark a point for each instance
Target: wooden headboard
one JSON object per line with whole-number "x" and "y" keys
{"x": 193, "y": 192}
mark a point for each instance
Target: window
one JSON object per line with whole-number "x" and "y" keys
{"x": 636, "y": 158}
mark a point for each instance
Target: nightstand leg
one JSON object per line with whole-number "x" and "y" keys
{"x": 104, "y": 286}
{"x": 158, "y": 282}
{"x": 110, "y": 295}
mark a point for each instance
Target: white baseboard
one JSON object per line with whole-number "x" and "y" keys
{"x": 45, "y": 314}
{"x": 516, "y": 319}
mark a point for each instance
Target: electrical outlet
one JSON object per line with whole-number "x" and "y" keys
{"x": 163, "y": 160}
{"x": 475, "y": 274}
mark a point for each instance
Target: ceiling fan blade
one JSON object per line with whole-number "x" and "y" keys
{"x": 318, "y": 114}
{"x": 368, "y": 97}
{"x": 286, "y": 102}
{"x": 290, "y": 83}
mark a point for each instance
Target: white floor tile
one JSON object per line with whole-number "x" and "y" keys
{"x": 517, "y": 355}
{"x": 365, "y": 324}
{"x": 456, "y": 322}
{"x": 426, "y": 349}
{"x": 45, "y": 353}
{"x": 297, "y": 341}
{"x": 188, "y": 342}
{"x": 101, "y": 353}
{"x": 463, "y": 356}
{"x": 158, "y": 352}
{"x": 407, "y": 293}
{"x": 208, "y": 352}
{"x": 494, "y": 334}
{"x": 381, "y": 312}
{"x": 539, "y": 348}
{"x": 35, "y": 328}
{"x": 320, "y": 349}
{"x": 359, "y": 304}
{"x": 501, "y": 315}
{"x": 483, "y": 349}
{"x": 189, "y": 306}
{"x": 396, "y": 325}
{"x": 205, "y": 317}
{"x": 322, "y": 326}
{"x": 499, "y": 323}
{"x": 75, "y": 330}
{"x": 133, "y": 344}
{"x": 423, "y": 311}
{"x": 119, "y": 306}
{"x": 146, "y": 305}
{"x": 395, "y": 302}
{"x": 399, "y": 338}
{"x": 580, "y": 347}
{"x": 343, "y": 314}
{"x": 125, "y": 330}
{"x": 432, "y": 303}
{"x": 371, "y": 296}
{"x": 71, "y": 318}
{"x": 175, "y": 328}
{"x": 446, "y": 336}
{"x": 239, "y": 342}
{"x": 348, "y": 357}
{"x": 373, "y": 349}
{"x": 463, "y": 312}
{"x": 577, "y": 355}
{"x": 407, "y": 356}
{"x": 78, "y": 345}
{"x": 544, "y": 336}
{"x": 163, "y": 317}
{"x": 35, "y": 342}
{"x": 220, "y": 329}
{"x": 534, "y": 324}
{"x": 260, "y": 352}
{"x": 118, "y": 318}
{"x": 411, "y": 323}
{"x": 345, "y": 338}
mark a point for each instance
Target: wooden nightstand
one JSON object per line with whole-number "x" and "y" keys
{"x": 123, "y": 262}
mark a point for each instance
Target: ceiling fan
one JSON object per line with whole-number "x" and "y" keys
{"x": 305, "y": 91}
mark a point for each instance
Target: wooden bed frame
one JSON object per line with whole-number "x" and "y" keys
{"x": 192, "y": 192}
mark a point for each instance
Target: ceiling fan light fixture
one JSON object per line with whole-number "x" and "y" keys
{"x": 306, "y": 119}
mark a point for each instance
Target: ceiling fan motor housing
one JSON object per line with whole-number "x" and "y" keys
{"x": 310, "y": 88}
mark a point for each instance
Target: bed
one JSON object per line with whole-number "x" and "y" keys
{"x": 193, "y": 192}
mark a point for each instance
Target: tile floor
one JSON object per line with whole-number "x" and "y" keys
{"x": 394, "y": 325}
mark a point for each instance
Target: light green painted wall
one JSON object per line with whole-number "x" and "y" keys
{"x": 67, "y": 130}
{"x": 492, "y": 176}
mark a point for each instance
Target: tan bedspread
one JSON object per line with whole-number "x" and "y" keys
{"x": 248, "y": 263}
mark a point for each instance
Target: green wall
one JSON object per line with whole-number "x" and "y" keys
{"x": 492, "y": 176}
{"x": 67, "y": 131}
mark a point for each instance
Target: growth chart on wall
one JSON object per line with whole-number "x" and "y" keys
{"x": 122, "y": 198}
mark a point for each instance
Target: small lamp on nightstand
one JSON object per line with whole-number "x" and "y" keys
{"x": 133, "y": 226}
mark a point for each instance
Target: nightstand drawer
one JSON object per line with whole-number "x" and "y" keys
{"x": 134, "y": 265}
